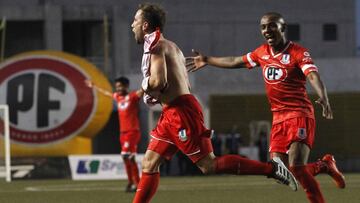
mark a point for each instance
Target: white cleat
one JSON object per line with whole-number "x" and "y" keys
{"x": 283, "y": 175}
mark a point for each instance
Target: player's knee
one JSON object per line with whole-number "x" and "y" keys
{"x": 207, "y": 170}
{"x": 207, "y": 167}
{"x": 126, "y": 156}
{"x": 150, "y": 165}
{"x": 207, "y": 164}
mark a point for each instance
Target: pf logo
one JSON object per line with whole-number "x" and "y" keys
{"x": 124, "y": 104}
{"x": 274, "y": 73}
{"x": 47, "y": 98}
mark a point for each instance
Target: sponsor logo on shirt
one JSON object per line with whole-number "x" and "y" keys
{"x": 273, "y": 73}
{"x": 307, "y": 59}
{"x": 122, "y": 105}
{"x": 265, "y": 57}
{"x": 306, "y": 53}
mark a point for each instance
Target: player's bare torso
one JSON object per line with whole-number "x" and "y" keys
{"x": 177, "y": 77}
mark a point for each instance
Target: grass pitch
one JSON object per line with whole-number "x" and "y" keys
{"x": 200, "y": 189}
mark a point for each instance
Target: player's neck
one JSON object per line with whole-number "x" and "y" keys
{"x": 279, "y": 47}
{"x": 124, "y": 93}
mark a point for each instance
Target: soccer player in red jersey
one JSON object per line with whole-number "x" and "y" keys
{"x": 286, "y": 66}
{"x": 128, "y": 110}
{"x": 181, "y": 124}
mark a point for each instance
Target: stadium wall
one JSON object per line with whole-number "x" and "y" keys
{"x": 233, "y": 29}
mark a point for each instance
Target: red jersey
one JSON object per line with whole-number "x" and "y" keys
{"x": 285, "y": 78}
{"x": 128, "y": 109}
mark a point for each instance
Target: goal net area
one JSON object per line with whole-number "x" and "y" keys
{"x": 5, "y": 170}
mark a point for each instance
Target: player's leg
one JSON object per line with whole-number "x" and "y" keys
{"x": 233, "y": 164}
{"x": 294, "y": 137}
{"x": 125, "y": 153}
{"x": 158, "y": 150}
{"x": 150, "y": 177}
{"x": 134, "y": 141}
{"x": 238, "y": 165}
{"x": 284, "y": 157}
{"x": 128, "y": 170}
{"x": 134, "y": 170}
{"x": 327, "y": 164}
{"x": 298, "y": 156}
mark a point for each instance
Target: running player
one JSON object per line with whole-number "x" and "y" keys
{"x": 181, "y": 125}
{"x": 286, "y": 66}
{"x": 128, "y": 110}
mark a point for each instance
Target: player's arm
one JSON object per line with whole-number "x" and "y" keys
{"x": 90, "y": 84}
{"x": 320, "y": 89}
{"x": 199, "y": 61}
{"x": 140, "y": 92}
{"x": 157, "y": 80}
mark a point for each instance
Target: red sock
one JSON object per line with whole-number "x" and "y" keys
{"x": 128, "y": 169}
{"x": 309, "y": 183}
{"x": 235, "y": 164}
{"x": 316, "y": 167}
{"x": 147, "y": 187}
{"x": 135, "y": 172}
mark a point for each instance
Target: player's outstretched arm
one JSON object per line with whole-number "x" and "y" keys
{"x": 199, "y": 61}
{"x": 90, "y": 84}
{"x": 320, "y": 89}
{"x": 140, "y": 92}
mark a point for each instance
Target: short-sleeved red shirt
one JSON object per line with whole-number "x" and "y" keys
{"x": 285, "y": 78}
{"x": 128, "y": 109}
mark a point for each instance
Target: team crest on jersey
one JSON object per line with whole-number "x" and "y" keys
{"x": 182, "y": 135}
{"x": 274, "y": 73}
{"x": 285, "y": 59}
{"x": 301, "y": 133}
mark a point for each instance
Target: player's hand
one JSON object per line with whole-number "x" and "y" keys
{"x": 89, "y": 83}
{"x": 195, "y": 62}
{"x": 326, "y": 109}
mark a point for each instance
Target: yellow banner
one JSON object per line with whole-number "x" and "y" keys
{"x": 52, "y": 111}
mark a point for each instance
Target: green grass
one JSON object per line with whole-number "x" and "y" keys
{"x": 201, "y": 189}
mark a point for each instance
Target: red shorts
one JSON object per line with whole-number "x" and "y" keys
{"x": 129, "y": 141}
{"x": 181, "y": 127}
{"x": 299, "y": 129}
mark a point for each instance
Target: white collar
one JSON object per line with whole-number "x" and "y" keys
{"x": 281, "y": 52}
{"x": 150, "y": 40}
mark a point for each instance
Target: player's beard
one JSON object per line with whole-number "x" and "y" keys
{"x": 139, "y": 38}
